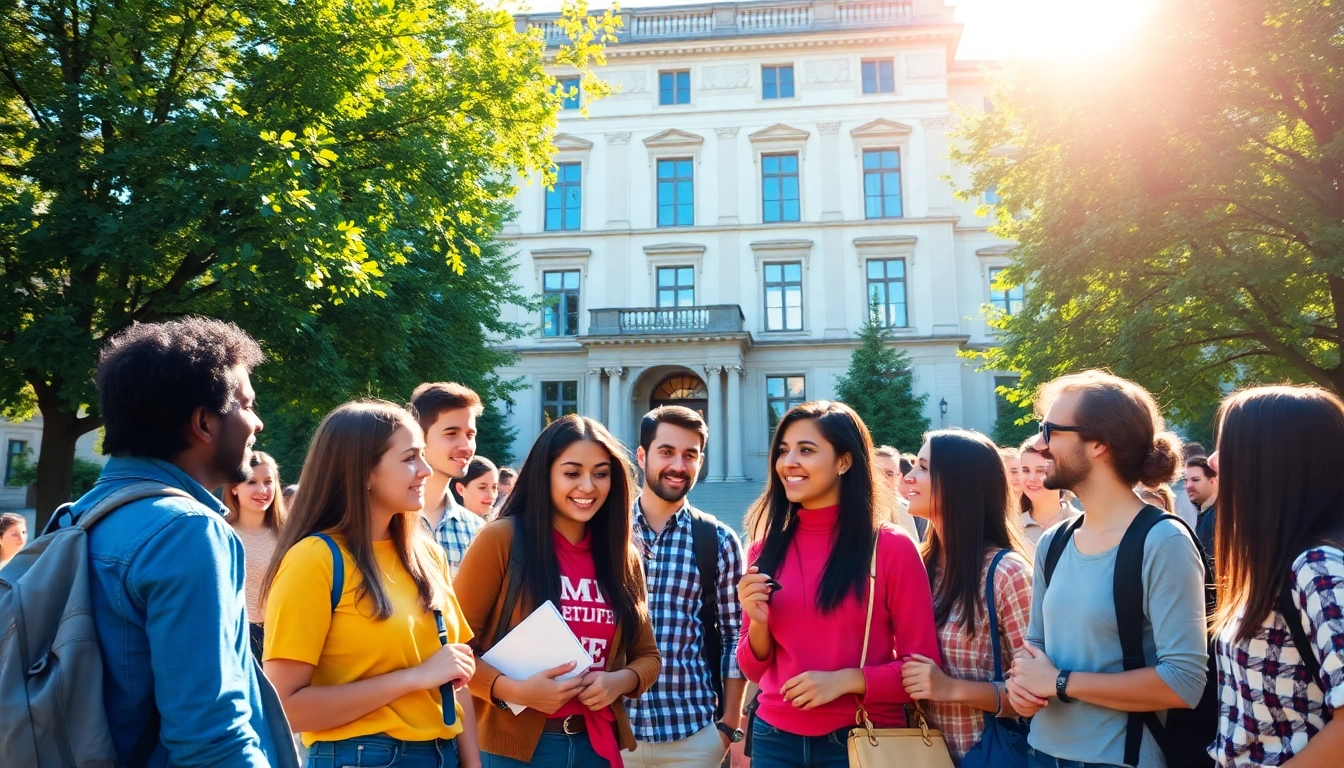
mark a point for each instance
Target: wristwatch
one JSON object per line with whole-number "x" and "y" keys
{"x": 1062, "y": 685}
{"x": 734, "y": 734}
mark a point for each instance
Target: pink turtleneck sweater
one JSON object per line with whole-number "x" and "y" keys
{"x": 807, "y": 640}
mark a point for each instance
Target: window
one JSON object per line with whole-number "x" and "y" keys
{"x": 674, "y": 87}
{"x": 676, "y": 193}
{"x": 881, "y": 183}
{"x": 781, "y": 394}
{"x": 558, "y": 398}
{"x": 784, "y": 296}
{"x": 17, "y": 449}
{"x": 568, "y": 88}
{"x": 676, "y": 286}
{"x": 1005, "y": 299}
{"x": 564, "y": 201}
{"x": 779, "y": 187}
{"x": 777, "y": 82}
{"x": 560, "y": 310}
{"x": 1002, "y": 407}
{"x": 991, "y": 195}
{"x": 879, "y": 76}
{"x": 886, "y": 291}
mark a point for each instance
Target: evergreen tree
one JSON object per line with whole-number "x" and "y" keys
{"x": 879, "y": 385}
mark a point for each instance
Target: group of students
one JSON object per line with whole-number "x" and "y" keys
{"x": 378, "y": 594}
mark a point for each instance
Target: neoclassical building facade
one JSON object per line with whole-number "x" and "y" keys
{"x": 721, "y": 225}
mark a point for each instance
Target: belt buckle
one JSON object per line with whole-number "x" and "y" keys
{"x": 564, "y": 725}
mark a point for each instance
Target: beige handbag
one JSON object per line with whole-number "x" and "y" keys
{"x": 870, "y": 747}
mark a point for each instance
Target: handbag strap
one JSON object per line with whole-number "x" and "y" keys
{"x": 872, "y": 593}
{"x": 994, "y": 616}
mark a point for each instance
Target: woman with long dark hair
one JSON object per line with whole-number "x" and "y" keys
{"x": 477, "y": 489}
{"x": 569, "y": 520}
{"x": 817, "y": 527}
{"x": 356, "y": 653}
{"x": 959, "y": 485}
{"x": 256, "y": 513}
{"x": 1279, "y": 625}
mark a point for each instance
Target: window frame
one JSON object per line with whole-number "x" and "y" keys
{"x": 1007, "y": 295}
{"x": 783, "y": 285}
{"x": 563, "y": 405}
{"x": 677, "y": 288}
{"x": 558, "y": 191}
{"x": 777, "y": 69}
{"x": 781, "y": 176}
{"x": 676, "y": 87}
{"x": 11, "y": 455}
{"x": 887, "y": 281}
{"x": 546, "y": 304}
{"x": 877, "y": 76}
{"x": 787, "y": 401}
{"x": 570, "y": 102}
{"x": 676, "y": 182}
{"x": 882, "y": 172}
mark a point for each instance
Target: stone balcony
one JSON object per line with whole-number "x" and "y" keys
{"x": 716, "y": 20}
{"x": 713, "y": 320}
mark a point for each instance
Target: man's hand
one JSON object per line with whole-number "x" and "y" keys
{"x": 1034, "y": 673}
{"x": 1024, "y": 704}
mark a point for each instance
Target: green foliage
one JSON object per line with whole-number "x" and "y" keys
{"x": 24, "y": 473}
{"x": 1013, "y": 426}
{"x": 23, "y": 470}
{"x": 879, "y": 386}
{"x": 1178, "y": 212}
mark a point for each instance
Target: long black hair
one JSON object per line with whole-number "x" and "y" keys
{"x": 971, "y": 491}
{"x": 619, "y": 574}
{"x": 774, "y": 519}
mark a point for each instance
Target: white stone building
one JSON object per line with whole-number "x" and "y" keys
{"x": 720, "y": 224}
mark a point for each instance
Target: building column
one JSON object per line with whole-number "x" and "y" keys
{"x": 727, "y": 175}
{"x": 594, "y": 409}
{"x": 618, "y": 181}
{"x": 941, "y": 197}
{"x": 735, "y": 374}
{"x": 614, "y": 410}
{"x": 714, "y": 381}
{"x": 830, "y": 182}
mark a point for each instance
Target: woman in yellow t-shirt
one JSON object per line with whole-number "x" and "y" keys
{"x": 362, "y": 680}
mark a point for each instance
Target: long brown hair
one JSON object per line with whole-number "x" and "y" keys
{"x": 974, "y": 500}
{"x": 276, "y": 513}
{"x": 1280, "y": 492}
{"x": 346, "y": 447}
{"x": 620, "y": 575}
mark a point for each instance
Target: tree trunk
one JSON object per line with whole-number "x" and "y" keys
{"x": 61, "y": 428}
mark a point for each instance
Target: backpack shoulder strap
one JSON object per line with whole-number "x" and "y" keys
{"x": 513, "y": 578}
{"x": 1129, "y": 616}
{"x": 1292, "y": 616}
{"x": 1057, "y": 545}
{"x": 337, "y": 569}
{"x": 705, "y": 542}
{"x": 143, "y": 489}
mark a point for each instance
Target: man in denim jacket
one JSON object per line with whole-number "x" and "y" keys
{"x": 166, "y": 574}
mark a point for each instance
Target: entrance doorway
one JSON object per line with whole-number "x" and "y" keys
{"x": 684, "y": 389}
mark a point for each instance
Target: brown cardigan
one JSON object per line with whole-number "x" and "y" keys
{"x": 480, "y": 591}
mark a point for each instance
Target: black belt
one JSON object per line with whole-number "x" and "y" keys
{"x": 570, "y": 726}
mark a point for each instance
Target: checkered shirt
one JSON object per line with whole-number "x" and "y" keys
{"x": 1268, "y": 708}
{"x": 682, "y": 701}
{"x": 972, "y": 658}
{"x": 455, "y": 532}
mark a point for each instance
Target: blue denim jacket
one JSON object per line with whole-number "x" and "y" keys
{"x": 166, "y": 579}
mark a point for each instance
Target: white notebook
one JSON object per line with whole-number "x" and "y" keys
{"x": 539, "y": 642}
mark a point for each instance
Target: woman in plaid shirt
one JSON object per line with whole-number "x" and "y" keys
{"x": 960, "y": 486}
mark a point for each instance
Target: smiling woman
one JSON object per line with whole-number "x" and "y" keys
{"x": 257, "y": 513}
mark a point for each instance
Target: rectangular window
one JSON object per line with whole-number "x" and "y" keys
{"x": 674, "y": 87}
{"x": 558, "y": 398}
{"x": 560, "y": 305}
{"x": 879, "y": 76}
{"x": 676, "y": 193}
{"x": 16, "y": 449}
{"x": 568, "y": 88}
{"x": 784, "y": 296}
{"x": 881, "y": 183}
{"x": 779, "y": 188}
{"x": 886, "y": 292}
{"x": 991, "y": 195}
{"x": 777, "y": 82}
{"x": 564, "y": 201}
{"x": 1006, "y": 299}
{"x": 676, "y": 286}
{"x": 781, "y": 394}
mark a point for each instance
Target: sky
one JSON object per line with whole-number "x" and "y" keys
{"x": 1006, "y": 29}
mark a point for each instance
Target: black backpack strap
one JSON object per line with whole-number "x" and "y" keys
{"x": 1128, "y": 590}
{"x": 705, "y": 542}
{"x": 1292, "y": 616}
{"x": 1057, "y": 545}
{"x": 513, "y": 578}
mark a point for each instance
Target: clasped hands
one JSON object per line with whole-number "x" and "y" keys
{"x": 545, "y": 693}
{"x": 1031, "y": 682}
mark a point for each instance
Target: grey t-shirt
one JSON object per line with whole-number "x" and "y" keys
{"x": 1074, "y": 621}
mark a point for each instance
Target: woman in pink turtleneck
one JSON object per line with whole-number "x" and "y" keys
{"x": 815, "y": 526}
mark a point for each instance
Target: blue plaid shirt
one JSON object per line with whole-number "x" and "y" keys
{"x": 455, "y": 532}
{"x": 683, "y": 700}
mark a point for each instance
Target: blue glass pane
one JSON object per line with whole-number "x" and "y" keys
{"x": 667, "y": 298}
{"x": 683, "y": 87}
{"x": 793, "y": 319}
{"x": 666, "y": 169}
{"x": 789, "y": 163}
{"x": 552, "y": 198}
{"x": 552, "y": 219}
{"x": 773, "y": 273}
{"x": 869, "y": 70}
{"x": 667, "y": 276}
{"x": 683, "y": 169}
{"x": 685, "y": 216}
{"x": 551, "y": 280}
{"x": 872, "y": 207}
{"x": 872, "y": 160}
{"x": 572, "y": 280}
{"x": 666, "y": 216}
{"x": 790, "y": 187}
{"x": 786, "y": 77}
{"x": 665, "y": 192}
{"x": 770, "y": 164}
{"x": 786, "y": 89}
{"x": 771, "y": 211}
{"x": 793, "y": 272}
{"x": 774, "y": 319}
{"x": 898, "y": 317}
{"x": 571, "y": 171}
{"x": 891, "y": 159}
{"x": 548, "y": 322}
{"x": 872, "y": 184}
{"x": 571, "y": 391}
{"x": 685, "y": 193}
{"x": 774, "y": 386}
{"x": 896, "y": 268}
{"x": 572, "y": 219}
{"x": 891, "y": 182}
{"x": 791, "y": 211}
{"x": 685, "y": 276}
{"x": 770, "y": 187}
{"x": 875, "y": 269}
{"x": 877, "y": 293}
{"x": 573, "y": 197}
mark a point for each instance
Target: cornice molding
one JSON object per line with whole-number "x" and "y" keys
{"x": 947, "y": 34}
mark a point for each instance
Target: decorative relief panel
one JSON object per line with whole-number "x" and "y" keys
{"x": 827, "y": 72}
{"x": 921, "y": 65}
{"x": 627, "y": 82}
{"x": 724, "y": 77}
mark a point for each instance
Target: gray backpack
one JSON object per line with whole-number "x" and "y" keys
{"x": 51, "y": 667}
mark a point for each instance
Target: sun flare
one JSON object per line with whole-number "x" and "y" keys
{"x": 1004, "y": 29}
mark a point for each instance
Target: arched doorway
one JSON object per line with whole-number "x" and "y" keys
{"x": 685, "y": 389}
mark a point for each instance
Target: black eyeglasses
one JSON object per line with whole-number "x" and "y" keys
{"x": 1047, "y": 428}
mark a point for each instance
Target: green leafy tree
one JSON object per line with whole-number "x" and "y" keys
{"x": 879, "y": 386}
{"x": 1180, "y": 210}
{"x": 322, "y": 172}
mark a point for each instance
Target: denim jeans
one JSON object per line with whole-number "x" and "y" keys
{"x": 1041, "y": 760}
{"x": 773, "y": 748}
{"x": 555, "y": 750}
{"x": 379, "y": 751}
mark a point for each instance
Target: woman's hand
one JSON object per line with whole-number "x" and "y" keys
{"x": 1034, "y": 673}
{"x": 1023, "y": 703}
{"x": 925, "y": 681}
{"x": 542, "y": 691}
{"x": 753, "y": 591}
{"x": 600, "y": 689}
{"x": 453, "y": 663}
{"x": 813, "y": 689}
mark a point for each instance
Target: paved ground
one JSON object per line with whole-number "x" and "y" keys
{"x": 727, "y": 501}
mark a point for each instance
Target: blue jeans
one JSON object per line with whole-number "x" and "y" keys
{"x": 773, "y": 748}
{"x": 379, "y": 751}
{"x": 555, "y": 750}
{"x": 1041, "y": 760}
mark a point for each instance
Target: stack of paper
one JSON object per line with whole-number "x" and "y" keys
{"x": 539, "y": 642}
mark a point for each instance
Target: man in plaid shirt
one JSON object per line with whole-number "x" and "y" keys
{"x": 447, "y": 413}
{"x": 675, "y": 722}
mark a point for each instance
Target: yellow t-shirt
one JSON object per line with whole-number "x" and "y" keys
{"x": 351, "y": 644}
